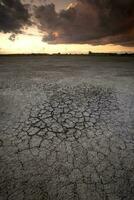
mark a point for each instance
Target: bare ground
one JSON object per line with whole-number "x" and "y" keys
{"x": 67, "y": 129}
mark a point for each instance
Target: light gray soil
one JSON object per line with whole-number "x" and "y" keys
{"x": 66, "y": 128}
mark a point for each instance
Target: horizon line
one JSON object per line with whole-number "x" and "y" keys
{"x": 68, "y": 54}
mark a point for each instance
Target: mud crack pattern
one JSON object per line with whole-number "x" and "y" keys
{"x": 71, "y": 147}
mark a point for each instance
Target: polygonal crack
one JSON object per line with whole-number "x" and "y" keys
{"x": 70, "y": 147}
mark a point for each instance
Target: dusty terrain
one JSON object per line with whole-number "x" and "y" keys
{"x": 66, "y": 128}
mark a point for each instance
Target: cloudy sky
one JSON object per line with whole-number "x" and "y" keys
{"x": 66, "y": 26}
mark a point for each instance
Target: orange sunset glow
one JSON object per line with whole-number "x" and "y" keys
{"x": 65, "y": 27}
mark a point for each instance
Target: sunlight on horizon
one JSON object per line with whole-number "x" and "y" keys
{"x": 32, "y": 43}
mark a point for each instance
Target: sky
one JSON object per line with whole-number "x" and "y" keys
{"x": 66, "y": 26}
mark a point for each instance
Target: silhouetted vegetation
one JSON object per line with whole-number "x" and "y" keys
{"x": 69, "y": 54}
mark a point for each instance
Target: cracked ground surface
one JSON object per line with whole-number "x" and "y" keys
{"x": 72, "y": 141}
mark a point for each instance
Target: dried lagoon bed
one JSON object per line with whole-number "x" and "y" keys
{"x": 66, "y": 127}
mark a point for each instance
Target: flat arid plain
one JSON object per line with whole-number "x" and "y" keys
{"x": 66, "y": 128}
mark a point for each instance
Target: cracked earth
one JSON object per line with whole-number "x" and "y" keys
{"x": 73, "y": 145}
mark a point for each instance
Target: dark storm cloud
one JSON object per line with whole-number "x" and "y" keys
{"x": 12, "y": 37}
{"x": 13, "y": 16}
{"x": 89, "y": 21}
